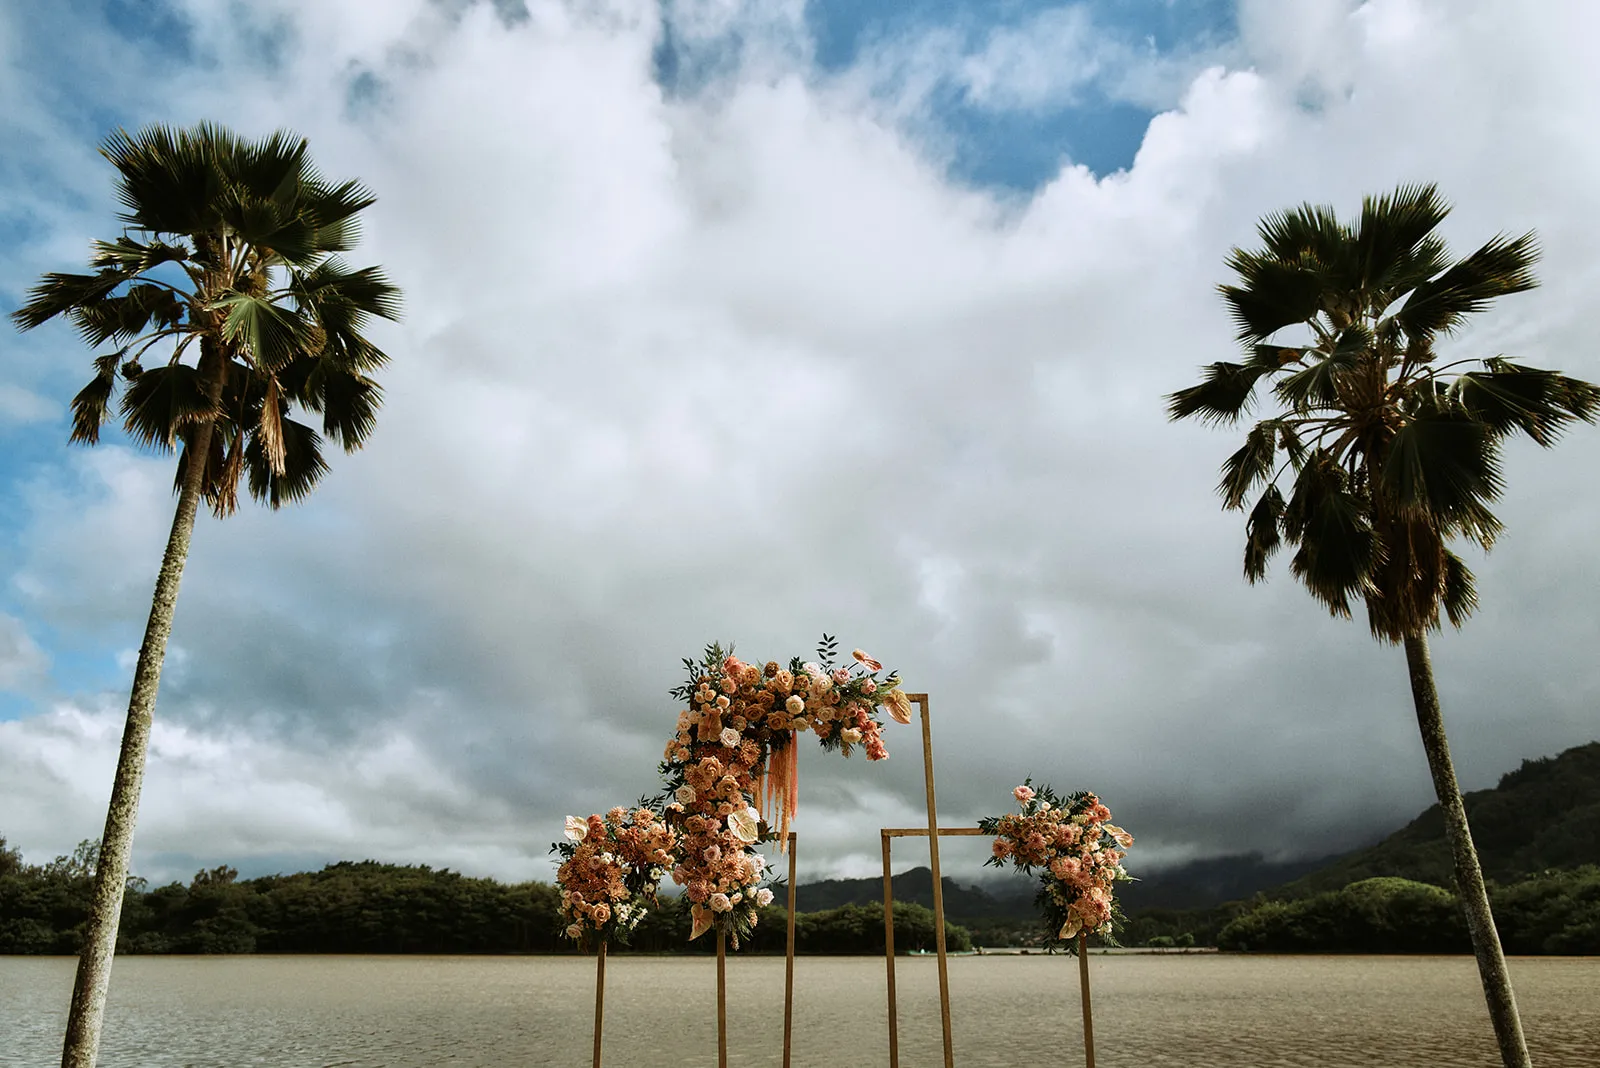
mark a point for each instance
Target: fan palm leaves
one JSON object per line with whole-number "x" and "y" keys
{"x": 225, "y": 312}
{"x": 1378, "y": 457}
{"x": 229, "y": 263}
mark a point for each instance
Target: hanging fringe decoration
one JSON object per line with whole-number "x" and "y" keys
{"x": 791, "y": 775}
{"x": 780, "y": 790}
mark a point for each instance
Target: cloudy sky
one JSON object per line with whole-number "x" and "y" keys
{"x": 753, "y": 320}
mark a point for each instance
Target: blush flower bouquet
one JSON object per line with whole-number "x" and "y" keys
{"x": 1081, "y": 853}
{"x": 610, "y": 869}
{"x": 731, "y": 767}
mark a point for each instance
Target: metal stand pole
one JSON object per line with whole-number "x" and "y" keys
{"x": 788, "y": 966}
{"x": 938, "y": 880}
{"x": 722, "y": 999}
{"x": 1083, "y": 982}
{"x": 599, "y": 1000}
{"x": 888, "y": 953}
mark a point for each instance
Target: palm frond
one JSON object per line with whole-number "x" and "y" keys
{"x": 1393, "y": 239}
{"x": 341, "y": 299}
{"x": 1441, "y": 470}
{"x": 303, "y": 466}
{"x": 89, "y": 407}
{"x": 1273, "y": 295}
{"x": 1507, "y": 397}
{"x": 1501, "y": 267}
{"x": 348, "y": 402}
{"x": 256, "y": 222}
{"x": 136, "y": 257}
{"x": 1338, "y": 549}
{"x": 336, "y": 206}
{"x": 211, "y": 483}
{"x": 1460, "y": 589}
{"x": 170, "y": 178}
{"x": 127, "y": 316}
{"x": 1251, "y": 465}
{"x": 271, "y": 334}
{"x": 224, "y": 491}
{"x": 1223, "y": 396}
{"x": 163, "y": 401}
{"x": 58, "y": 294}
{"x": 1317, "y": 387}
{"x": 269, "y": 427}
{"x": 1261, "y": 538}
{"x": 1310, "y": 232}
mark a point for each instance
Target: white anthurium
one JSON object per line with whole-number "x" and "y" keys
{"x": 745, "y": 824}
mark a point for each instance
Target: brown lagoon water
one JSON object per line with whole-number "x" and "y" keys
{"x": 1188, "y": 1010}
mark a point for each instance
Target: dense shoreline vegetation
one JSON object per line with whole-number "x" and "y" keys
{"x": 369, "y": 907}
{"x": 1538, "y": 831}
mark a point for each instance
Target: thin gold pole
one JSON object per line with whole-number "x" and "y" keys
{"x": 788, "y": 965}
{"x": 599, "y": 1000}
{"x": 1083, "y": 982}
{"x": 938, "y": 883}
{"x": 888, "y": 955}
{"x": 722, "y": 999}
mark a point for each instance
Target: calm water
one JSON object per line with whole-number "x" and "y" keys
{"x": 407, "y": 1012}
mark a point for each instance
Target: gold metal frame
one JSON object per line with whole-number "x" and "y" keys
{"x": 932, "y": 833}
{"x": 722, "y": 980}
{"x": 888, "y": 834}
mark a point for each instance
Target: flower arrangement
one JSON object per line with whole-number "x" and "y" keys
{"x": 1078, "y": 847}
{"x": 731, "y": 765}
{"x": 610, "y": 869}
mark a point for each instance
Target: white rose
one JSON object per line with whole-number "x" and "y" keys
{"x": 763, "y": 897}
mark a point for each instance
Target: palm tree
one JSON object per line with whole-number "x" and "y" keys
{"x": 226, "y": 257}
{"x": 1394, "y": 455}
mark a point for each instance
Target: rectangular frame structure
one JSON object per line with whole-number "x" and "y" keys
{"x": 722, "y": 981}
{"x": 933, "y": 834}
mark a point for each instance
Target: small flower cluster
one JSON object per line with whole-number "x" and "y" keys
{"x": 731, "y": 771}
{"x": 610, "y": 869}
{"x": 1078, "y": 847}
{"x": 719, "y": 867}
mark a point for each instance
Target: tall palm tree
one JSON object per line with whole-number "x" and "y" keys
{"x": 1394, "y": 455}
{"x": 226, "y": 258}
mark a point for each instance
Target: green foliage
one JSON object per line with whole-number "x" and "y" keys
{"x": 1383, "y": 915}
{"x": 1392, "y": 456}
{"x": 1542, "y": 816}
{"x": 228, "y": 259}
{"x": 368, "y": 907}
{"x": 1557, "y": 912}
{"x": 10, "y": 859}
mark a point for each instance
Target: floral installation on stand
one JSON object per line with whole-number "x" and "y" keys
{"x": 610, "y": 869}
{"x": 731, "y": 766}
{"x": 1081, "y": 853}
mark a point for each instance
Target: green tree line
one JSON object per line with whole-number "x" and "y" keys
{"x": 369, "y": 907}
{"x": 1557, "y": 912}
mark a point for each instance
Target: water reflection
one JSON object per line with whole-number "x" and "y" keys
{"x": 411, "y": 1012}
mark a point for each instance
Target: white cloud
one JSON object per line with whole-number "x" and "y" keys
{"x": 1054, "y": 58}
{"x": 22, "y": 662}
{"x": 20, "y": 406}
{"x": 747, "y": 364}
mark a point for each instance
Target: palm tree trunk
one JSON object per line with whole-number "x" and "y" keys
{"x": 82, "y": 1043}
{"x": 1469, "y": 875}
